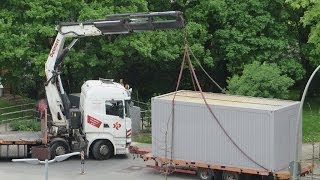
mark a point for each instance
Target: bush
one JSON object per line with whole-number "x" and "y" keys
{"x": 262, "y": 80}
{"x": 142, "y": 138}
{"x": 21, "y": 125}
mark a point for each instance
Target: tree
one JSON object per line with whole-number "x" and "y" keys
{"x": 263, "y": 80}
{"x": 223, "y": 34}
{"x": 235, "y": 33}
{"x": 311, "y": 20}
{"x": 256, "y": 31}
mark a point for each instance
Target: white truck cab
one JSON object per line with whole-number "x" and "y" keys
{"x": 104, "y": 106}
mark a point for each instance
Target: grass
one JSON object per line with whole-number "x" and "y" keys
{"x": 31, "y": 125}
{"x": 4, "y": 103}
{"x": 142, "y": 138}
{"x": 311, "y": 121}
{"x": 311, "y": 117}
{"x": 25, "y": 123}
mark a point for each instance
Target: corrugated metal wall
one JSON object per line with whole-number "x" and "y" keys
{"x": 135, "y": 113}
{"x": 197, "y": 136}
{"x": 284, "y": 135}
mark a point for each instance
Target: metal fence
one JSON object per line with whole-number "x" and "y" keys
{"x": 17, "y": 113}
{"x": 144, "y": 117}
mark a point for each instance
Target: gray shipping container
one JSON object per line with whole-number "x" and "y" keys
{"x": 264, "y": 129}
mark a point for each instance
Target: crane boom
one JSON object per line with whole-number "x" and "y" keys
{"x": 123, "y": 24}
{"x": 114, "y": 24}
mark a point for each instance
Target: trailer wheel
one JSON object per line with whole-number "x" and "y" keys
{"x": 204, "y": 174}
{"x": 58, "y": 148}
{"x": 227, "y": 175}
{"x": 102, "y": 150}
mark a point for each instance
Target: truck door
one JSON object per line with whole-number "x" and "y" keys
{"x": 115, "y": 121}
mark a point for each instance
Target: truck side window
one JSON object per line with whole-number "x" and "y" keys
{"x": 114, "y": 108}
{"x": 127, "y": 107}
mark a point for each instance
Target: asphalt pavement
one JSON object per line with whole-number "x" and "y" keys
{"x": 119, "y": 168}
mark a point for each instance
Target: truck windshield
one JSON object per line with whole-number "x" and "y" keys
{"x": 114, "y": 108}
{"x": 127, "y": 107}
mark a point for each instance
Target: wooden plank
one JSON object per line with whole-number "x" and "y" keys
{"x": 20, "y": 137}
{"x": 203, "y": 165}
{"x": 283, "y": 175}
{"x": 2, "y": 142}
{"x": 26, "y": 142}
{"x": 137, "y": 150}
{"x": 173, "y": 169}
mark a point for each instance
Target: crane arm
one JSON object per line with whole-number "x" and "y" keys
{"x": 114, "y": 24}
{"x": 123, "y": 24}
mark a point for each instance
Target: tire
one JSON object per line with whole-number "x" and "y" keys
{"x": 217, "y": 174}
{"x": 228, "y": 175}
{"x": 102, "y": 150}
{"x": 58, "y": 148}
{"x": 204, "y": 174}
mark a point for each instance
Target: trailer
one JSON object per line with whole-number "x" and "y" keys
{"x": 227, "y": 137}
{"x": 210, "y": 171}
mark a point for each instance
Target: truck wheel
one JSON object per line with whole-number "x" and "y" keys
{"x": 102, "y": 150}
{"x": 204, "y": 174}
{"x": 227, "y": 175}
{"x": 58, "y": 148}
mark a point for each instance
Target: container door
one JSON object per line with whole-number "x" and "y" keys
{"x": 114, "y": 122}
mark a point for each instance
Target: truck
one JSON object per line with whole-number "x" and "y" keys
{"x": 100, "y": 124}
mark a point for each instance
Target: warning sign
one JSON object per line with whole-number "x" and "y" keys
{"x": 93, "y": 121}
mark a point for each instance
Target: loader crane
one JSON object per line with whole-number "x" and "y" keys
{"x": 101, "y": 124}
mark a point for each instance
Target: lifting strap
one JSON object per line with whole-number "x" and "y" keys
{"x": 191, "y": 68}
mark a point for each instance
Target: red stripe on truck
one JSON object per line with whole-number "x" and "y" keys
{"x": 129, "y": 132}
{"x": 93, "y": 121}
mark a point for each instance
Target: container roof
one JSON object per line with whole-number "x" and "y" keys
{"x": 228, "y": 100}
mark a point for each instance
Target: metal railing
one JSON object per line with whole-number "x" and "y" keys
{"x": 146, "y": 120}
{"x": 17, "y": 113}
{"x": 145, "y": 117}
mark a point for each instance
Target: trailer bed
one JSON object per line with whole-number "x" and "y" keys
{"x": 21, "y": 137}
{"x": 281, "y": 175}
{"x": 191, "y": 167}
{"x": 26, "y": 137}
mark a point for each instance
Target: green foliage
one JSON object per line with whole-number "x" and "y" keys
{"x": 4, "y": 103}
{"x": 256, "y": 31}
{"x": 25, "y": 125}
{"x": 311, "y": 123}
{"x": 263, "y": 80}
{"x": 142, "y": 138}
{"x": 225, "y": 35}
{"x": 311, "y": 20}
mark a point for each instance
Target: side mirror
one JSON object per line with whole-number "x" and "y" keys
{"x": 121, "y": 114}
